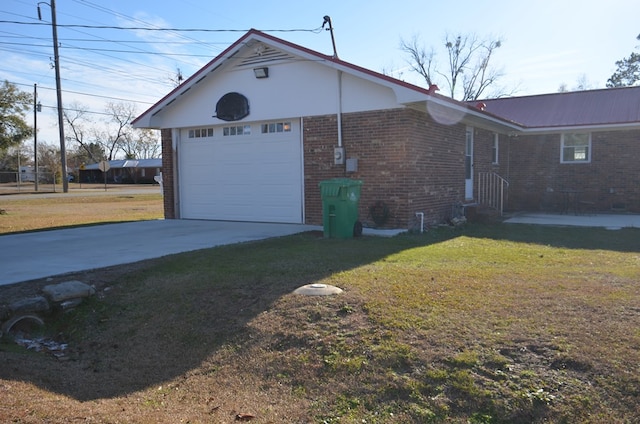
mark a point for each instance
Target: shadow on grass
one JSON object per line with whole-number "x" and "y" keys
{"x": 163, "y": 318}
{"x": 166, "y": 318}
{"x": 71, "y": 226}
{"x": 623, "y": 240}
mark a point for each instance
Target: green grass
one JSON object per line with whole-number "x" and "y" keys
{"x": 485, "y": 324}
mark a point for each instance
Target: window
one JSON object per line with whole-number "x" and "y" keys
{"x": 575, "y": 148}
{"x": 495, "y": 149}
{"x": 201, "y": 133}
{"x": 276, "y": 127}
{"x": 237, "y": 130}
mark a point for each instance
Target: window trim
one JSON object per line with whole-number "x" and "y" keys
{"x": 237, "y": 130}
{"x": 495, "y": 150}
{"x": 276, "y": 127}
{"x": 562, "y": 147}
{"x": 200, "y": 133}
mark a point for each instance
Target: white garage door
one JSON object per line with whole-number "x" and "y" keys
{"x": 248, "y": 172}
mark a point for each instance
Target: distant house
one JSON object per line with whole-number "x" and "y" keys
{"x": 124, "y": 171}
{"x": 250, "y": 136}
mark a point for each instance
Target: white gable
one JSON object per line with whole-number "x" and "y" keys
{"x": 301, "y": 83}
{"x": 293, "y": 88}
{"x": 296, "y": 86}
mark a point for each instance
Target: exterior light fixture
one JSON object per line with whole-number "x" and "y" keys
{"x": 261, "y": 72}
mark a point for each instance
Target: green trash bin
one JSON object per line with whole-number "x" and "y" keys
{"x": 340, "y": 200}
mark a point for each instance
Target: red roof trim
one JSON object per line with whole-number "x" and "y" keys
{"x": 336, "y": 61}
{"x": 198, "y": 73}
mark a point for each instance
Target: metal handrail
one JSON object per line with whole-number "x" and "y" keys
{"x": 491, "y": 190}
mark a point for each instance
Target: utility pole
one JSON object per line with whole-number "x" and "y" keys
{"x": 56, "y": 59}
{"x": 36, "y": 109}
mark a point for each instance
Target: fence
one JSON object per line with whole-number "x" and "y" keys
{"x": 16, "y": 182}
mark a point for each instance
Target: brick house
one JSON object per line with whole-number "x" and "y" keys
{"x": 587, "y": 142}
{"x": 250, "y": 136}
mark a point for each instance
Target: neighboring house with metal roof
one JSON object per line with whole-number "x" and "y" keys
{"x": 250, "y": 136}
{"x": 123, "y": 171}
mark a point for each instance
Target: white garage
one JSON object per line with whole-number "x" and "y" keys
{"x": 232, "y": 133}
{"x": 242, "y": 172}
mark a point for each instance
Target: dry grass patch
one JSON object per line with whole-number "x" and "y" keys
{"x": 65, "y": 211}
{"x": 494, "y": 324}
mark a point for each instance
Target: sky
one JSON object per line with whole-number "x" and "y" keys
{"x": 545, "y": 43}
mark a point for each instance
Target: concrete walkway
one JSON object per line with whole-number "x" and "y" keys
{"x": 610, "y": 221}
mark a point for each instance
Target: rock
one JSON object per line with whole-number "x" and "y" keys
{"x": 68, "y": 290}
{"x": 32, "y": 304}
{"x": 70, "y": 304}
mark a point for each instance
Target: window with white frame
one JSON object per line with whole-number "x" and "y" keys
{"x": 237, "y": 130}
{"x": 495, "y": 149}
{"x": 575, "y": 148}
{"x": 276, "y": 127}
{"x": 201, "y": 133}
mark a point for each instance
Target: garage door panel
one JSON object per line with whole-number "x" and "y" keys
{"x": 243, "y": 178}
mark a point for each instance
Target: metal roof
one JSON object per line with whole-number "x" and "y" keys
{"x": 605, "y": 107}
{"x": 128, "y": 163}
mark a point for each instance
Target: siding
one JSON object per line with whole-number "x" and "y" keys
{"x": 405, "y": 160}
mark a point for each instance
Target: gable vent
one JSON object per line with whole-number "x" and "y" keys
{"x": 260, "y": 54}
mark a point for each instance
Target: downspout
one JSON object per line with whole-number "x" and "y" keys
{"x": 175, "y": 141}
{"x": 338, "y": 152}
{"x": 339, "y": 108}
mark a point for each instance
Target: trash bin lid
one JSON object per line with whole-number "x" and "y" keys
{"x": 331, "y": 188}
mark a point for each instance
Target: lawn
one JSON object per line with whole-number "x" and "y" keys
{"x": 28, "y": 214}
{"x": 483, "y": 324}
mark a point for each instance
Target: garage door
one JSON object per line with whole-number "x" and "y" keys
{"x": 248, "y": 172}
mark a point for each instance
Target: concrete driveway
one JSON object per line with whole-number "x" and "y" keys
{"x": 42, "y": 254}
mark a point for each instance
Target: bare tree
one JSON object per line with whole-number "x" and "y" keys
{"x": 49, "y": 162}
{"x": 582, "y": 84}
{"x": 469, "y": 73}
{"x": 78, "y": 128}
{"x": 141, "y": 144}
{"x": 117, "y": 127}
{"x": 420, "y": 60}
{"x": 100, "y": 140}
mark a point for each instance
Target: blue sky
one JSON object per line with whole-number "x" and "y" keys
{"x": 546, "y": 43}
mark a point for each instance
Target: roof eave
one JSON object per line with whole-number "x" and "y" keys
{"x": 583, "y": 128}
{"x": 146, "y": 118}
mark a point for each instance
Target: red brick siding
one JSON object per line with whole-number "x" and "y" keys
{"x": 404, "y": 159}
{"x": 414, "y": 164}
{"x": 537, "y": 176}
{"x": 167, "y": 175}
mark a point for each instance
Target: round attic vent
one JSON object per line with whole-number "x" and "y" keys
{"x": 232, "y": 107}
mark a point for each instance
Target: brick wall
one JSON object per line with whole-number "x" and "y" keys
{"x": 405, "y": 160}
{"x": 611, "y": 179}
{"x": 167, "y": 174}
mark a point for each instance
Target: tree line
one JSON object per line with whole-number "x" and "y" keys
{"x": 88, "y": 140}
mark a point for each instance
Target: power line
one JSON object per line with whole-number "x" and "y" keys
{"x": 315, "y": 30}
{"x": 106, "y": 50}
{"x": 103, "y": 40}
{"x": 40, "y": 87}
